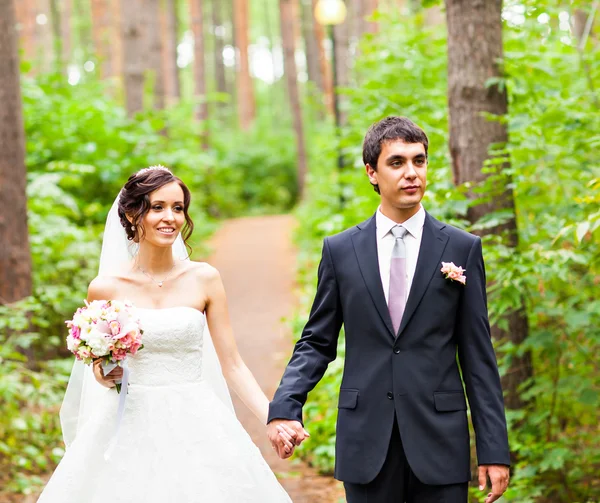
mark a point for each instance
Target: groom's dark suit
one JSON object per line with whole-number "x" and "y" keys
{"x": 412, "y": 376}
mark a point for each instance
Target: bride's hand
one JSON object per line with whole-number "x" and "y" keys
{"x": 108, "y": 380}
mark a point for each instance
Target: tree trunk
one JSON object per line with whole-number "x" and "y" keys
{"x": 245, "y": 90}
{"x": 324, "y": 65}
{"x": 155, "y": 52}
{"x": 369, "y": 7}
{"x": 134, "y": 54}
{"x": 83, "y": 30}
{"x": 286, "y": 13}
{"x": 15, "y": 256}
{"x": 474, "y": 47}
{"x": 56, "y": 28}
{"x": 197, "y": 20}
{"x": 310, "y": 45}
{"x": 44, "y": 39}
{"x": 433, "y": 16}
{"x": 67, "y": 39}
{"x": 341, "y": 46}
{"x": 579, "y": 22}
{"x": 219, "y": 46}
{"x": 26, "y": 12}
{"x": 101, "y": 36}
{"x": 170, "y": 43}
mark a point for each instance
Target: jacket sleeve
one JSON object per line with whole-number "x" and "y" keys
{"x": 479, "y": 366}
{"x": 315, "y": 349}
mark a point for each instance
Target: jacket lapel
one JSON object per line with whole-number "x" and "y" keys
{"x": 433, "y": 243}
{"x": 365, "y": 247}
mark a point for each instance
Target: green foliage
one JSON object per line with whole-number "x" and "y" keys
{"x": 553, "y": 124}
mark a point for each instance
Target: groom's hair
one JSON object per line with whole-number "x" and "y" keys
{"x": 390, "y": 129}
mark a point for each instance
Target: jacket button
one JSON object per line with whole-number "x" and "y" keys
{"x": 390, "y": 395}
{"x": 397, "y": 351}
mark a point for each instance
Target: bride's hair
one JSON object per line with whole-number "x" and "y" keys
{"x": 135, "y": 200}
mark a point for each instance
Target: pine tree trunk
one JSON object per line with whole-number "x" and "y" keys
{"x": 197, "y": 20}
{"x": 44, "y": 39}
{"x": 101, "y": 35}
{"x": 15, "y": 256}
{"x": 433, "y": 16}
{"x": 83, "y": 37}
{"x": 341, "y": 35}
{"x": 170, "y": 42}
{"x": 286, "y": 13}
{"x": 310, "y": 45}
{"x": 219, "y": 46}
{"x": 358, "y": 24}
{"x": 155, "y": 52}
{"x": 324, "y": 65}
{"x": 245, "y": 90}
{"x": 26, "y": 12}
{"x": 116, "y": 53}
{"x": 134, "y": 54}
{"x": 67, "y": 39}
{"x": 370, "y": 6}
{"x": 474, "y": 47}
{"x": 56, "y": 28}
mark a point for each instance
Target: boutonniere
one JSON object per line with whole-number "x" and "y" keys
{"x": 454, "y": 272}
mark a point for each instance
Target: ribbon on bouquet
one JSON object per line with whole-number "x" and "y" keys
{"x": 121, "y": 409}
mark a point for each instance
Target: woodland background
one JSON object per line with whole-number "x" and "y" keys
{"x": 237, "y": 97}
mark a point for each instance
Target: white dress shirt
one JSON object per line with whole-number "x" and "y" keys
{"x": 385, "y": 244}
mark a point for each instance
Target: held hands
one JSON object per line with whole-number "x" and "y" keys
{"x": 498, "y": 475}
{"x": 109, "y": 380}
{"x": 285, "y": 435}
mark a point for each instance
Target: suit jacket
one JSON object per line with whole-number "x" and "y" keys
{"x": 412, "y": 375}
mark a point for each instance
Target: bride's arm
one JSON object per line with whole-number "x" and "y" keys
{"x": 237, "y": 374}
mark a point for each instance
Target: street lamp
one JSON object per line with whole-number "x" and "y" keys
{"x": 329, "y": 13}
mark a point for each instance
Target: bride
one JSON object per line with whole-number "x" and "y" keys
{"x": 178, "y": 438}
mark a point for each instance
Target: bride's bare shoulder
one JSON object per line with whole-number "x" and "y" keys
{"x": 103, "y": 288}
{"x": 204, "y": 271}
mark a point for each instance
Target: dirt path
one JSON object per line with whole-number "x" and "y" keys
{"x": 257, "y": 262}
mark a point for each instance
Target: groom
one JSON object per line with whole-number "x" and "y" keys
{"x": 402, "y": 430}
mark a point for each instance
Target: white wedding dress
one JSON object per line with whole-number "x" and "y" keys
{"x": 178, "y": 441}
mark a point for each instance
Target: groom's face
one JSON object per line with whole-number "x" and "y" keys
{"x": 401, "y": 174}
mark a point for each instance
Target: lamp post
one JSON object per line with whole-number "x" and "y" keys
{"x": 330, "y": 13}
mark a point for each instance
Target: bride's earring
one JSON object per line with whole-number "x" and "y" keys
{"x": 133, "y": 228}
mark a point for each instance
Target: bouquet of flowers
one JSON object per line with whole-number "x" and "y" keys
{"x": 105, "y": 329}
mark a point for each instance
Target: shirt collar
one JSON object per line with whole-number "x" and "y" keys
{"x": 414, "y": 225}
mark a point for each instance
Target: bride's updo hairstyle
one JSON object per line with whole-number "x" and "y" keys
{"x": 135, "y": 200}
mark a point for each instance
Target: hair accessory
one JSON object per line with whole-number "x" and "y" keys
{"x": 158, "y": 167}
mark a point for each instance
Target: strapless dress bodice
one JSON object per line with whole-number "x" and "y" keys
{"x": 173, "y": 347}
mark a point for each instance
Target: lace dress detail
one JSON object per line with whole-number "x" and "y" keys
{"x": 178, "y": 442}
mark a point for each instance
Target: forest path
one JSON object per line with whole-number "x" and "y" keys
{"x": 257, "y": 262}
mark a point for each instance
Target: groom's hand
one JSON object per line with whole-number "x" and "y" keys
{"x": 498, "y": 475}
{"x": 285, "y": 435}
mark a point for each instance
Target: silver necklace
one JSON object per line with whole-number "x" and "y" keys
{"x": 159, "y": 283}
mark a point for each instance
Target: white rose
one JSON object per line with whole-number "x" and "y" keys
{"x": 79, "y": 320}
{"x": 86, "y": 329}
{"x": 72, "y": 343}
{"x": 98, "y": 343}
{"x": 93, "y": 313}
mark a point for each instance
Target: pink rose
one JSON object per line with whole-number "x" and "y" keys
{"x": 453, "y": 272}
